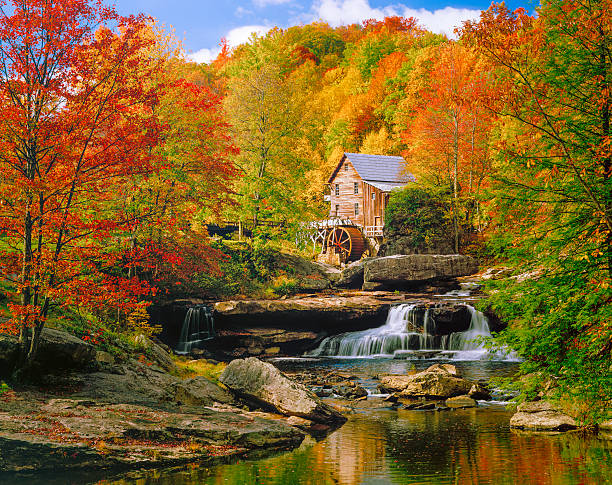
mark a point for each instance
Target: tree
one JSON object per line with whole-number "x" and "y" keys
{"x": 76, "y": 119}
{"x": 448, "y": 127}
{"x": 552, "y": 90}
{"x": 265, "y": 122}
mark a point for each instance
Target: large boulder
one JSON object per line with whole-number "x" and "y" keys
{"x": 199, "y": 391}
{"x": 541, "y": 416}
{"x": 436, "y": 382}
{"x": 417, "y": 269}
{"x": 263, "y": 384}
{"x": 59, "y": 350}
{"x": 352, "y": 274}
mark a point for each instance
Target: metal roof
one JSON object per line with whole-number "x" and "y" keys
{"x": 378, "y": 168}
{"x": 385, "y": 187}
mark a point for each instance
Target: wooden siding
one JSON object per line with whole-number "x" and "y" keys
{"x": 347, "y": 198}
{"x": 369, "y": 207}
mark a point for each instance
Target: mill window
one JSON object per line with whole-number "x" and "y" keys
{"x": 337, "y": 209}
{"x": 356, "y": 187}
{"x": 356, "y": 208}
{"x": 346, "y": 167}
{"x": 373, "y": 195}
{"x": 337, "y": 189}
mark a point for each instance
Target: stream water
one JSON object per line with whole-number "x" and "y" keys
{"x": 384, "y": 446}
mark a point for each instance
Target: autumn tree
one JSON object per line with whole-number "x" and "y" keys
{"x": 447, "y": 125}
{"x": 552, "y": 90}
{"x": 75, "y": 120}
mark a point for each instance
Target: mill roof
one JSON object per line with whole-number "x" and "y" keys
{"x": 378, "y": 168}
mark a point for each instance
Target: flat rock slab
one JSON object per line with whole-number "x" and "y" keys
{"x": 541, "y": 416}
{"x": 64, "y": 434}
{"x": 263, "y": 384}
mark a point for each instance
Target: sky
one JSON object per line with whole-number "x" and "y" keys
{"x": 202, "y": 23}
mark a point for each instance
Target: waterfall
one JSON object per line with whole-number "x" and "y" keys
{"x": 198, "y": 327}
{"x": 400, "y": 337}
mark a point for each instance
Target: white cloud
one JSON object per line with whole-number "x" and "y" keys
{"x": 240, "y": 35}
{"x": 234, "y": 37}
{"x": 204, "y": 55}
{"x": 343, "y": 12}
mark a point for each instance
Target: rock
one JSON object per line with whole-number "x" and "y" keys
{"x": 447, "y": 319}
{"x": 156, "y": 353}
{"x": 459, "y": 402}
{"x": 335, "y": 314}
{"x": 605, "y": 426}
{"x": 299, "y": 422}
{"x": 89, "y": 436}
{"x": 199, "y": 391}
{"x": 416, "y": 269}
{"x": 433, "y": 383}
{"x": 352, "y": 275}
{"x": 541, "y": 416}
{"x": 59, "y": 350}
{"x": 8, "y": 354}
{"x": 309, "y": 275}
{"x": 272, "y": 351}
{"x": 496, "y": 273}
{"x": 419, "y": 406}
{"x": 443, "y": 368}
{"x": 350, "y": 392}
{"x": 479, "y": 393}
{"x": 104, "y": 358}
{"x": 262, "y": 383}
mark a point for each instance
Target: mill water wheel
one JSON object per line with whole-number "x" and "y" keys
{"x": 347, "y": 242}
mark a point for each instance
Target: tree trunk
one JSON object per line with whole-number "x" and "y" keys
{"x": 455, "y": 175}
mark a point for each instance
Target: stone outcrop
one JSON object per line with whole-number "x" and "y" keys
{"x": 416, "y": 269}
{"x": 57, "y": 351}
{"x": 460, "y": 402}
{"x": 86, "y": 435}
{"x": 199, "y": 391}
{"x": 314, "y": 313}
{"x": 263, "y": 384}
{"x": 541, "y": 416}
{"x": 440, "y": 381}
{"x": 352, "y": 275}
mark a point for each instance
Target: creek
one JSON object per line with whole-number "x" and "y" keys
{"x": 384, "y": 446}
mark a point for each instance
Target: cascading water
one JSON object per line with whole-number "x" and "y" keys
{"x": 198, "y": 326}
{"x": 398, "y": 337}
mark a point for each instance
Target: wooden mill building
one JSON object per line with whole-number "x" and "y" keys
{"x": 361, "y": 186}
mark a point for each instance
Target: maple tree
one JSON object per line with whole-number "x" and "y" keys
{"x": 76, "y": 118}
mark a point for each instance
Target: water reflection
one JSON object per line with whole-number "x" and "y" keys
{"x": 402, "y": 447}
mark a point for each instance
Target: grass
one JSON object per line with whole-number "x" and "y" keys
{"x": 192, "y": 368}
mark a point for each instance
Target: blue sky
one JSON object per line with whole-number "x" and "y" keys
{"x": 202, "y": 23}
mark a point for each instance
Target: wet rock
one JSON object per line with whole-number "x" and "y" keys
{"x": 496, "y": 273}
{"x": 199, "y": 391}
{"x": 459, "y": 402}
{"x": 350, "y": 392}
{"x": 541, "y": 416}
{"x": 263, "y": 384}
{"x": 479, "y": 393}
{"x": 420, "y": 406}
{"x": 444, "y": 369}
{"x": 447, "y": 319}
{"x": 59, "y": 350}
{"x": 417, "y": 268}
{"x": 433, "y": 383}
